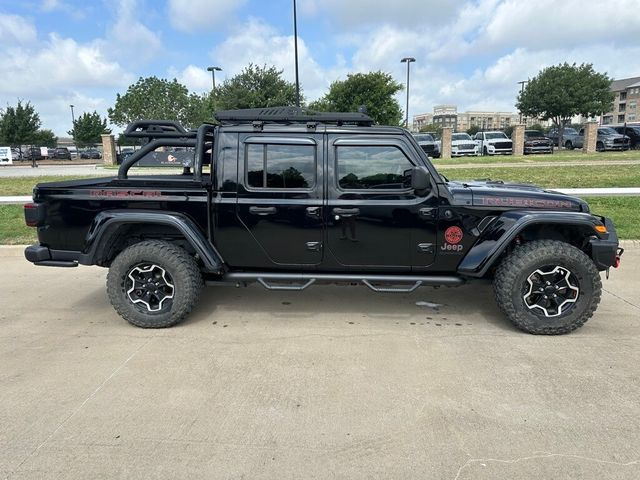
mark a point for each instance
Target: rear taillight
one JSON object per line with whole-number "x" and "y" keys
{"x": 34, "y": 214}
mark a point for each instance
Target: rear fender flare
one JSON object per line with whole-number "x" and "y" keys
{"x": 503, "y": 230}
{"x": 107, "y": 222}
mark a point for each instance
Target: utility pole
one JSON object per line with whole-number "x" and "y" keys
{"x": 213, "y": 71}
{"x": 408, "y": 61}
{"x": 295, "y": 47}
{"x": 73, "y": 128}
{"x": 522, "y": 84}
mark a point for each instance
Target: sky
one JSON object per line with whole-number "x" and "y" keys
{"x": 469, "y": 53}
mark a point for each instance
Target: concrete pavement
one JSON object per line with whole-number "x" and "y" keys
{"x": 326, "y": 383}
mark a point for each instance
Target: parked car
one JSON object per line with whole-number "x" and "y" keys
{"x": 568, "y": 137}
{"x": 61, "y": 153}
{"x": 631, "y": 131}
{"x": 91, "y": 153}
{"x": 462, "y": 144}
{"x": 608, "y": 139}
{"x": 536, "y": 142}
{"x": 494, "y": 143}
{"x": 33, "y": 153}
{"x": 428, "y": 143}
{"x": 124, "y": 154}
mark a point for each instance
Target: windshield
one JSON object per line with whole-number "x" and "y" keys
{"x": 607, "y": 131}
{"x": 533, "y": 133}
{"x": 461, "y": 136}
{"x": 491, "y": 135}
{"x": 424, "y": 138}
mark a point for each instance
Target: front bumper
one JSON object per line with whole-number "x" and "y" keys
{"x": 606, "y": 252}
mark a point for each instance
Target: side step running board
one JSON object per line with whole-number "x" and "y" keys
{"x": 301, "y": 281}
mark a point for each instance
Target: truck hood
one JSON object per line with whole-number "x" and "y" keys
{"x": 497, "y": 140}
{"x": 498, "y": 194}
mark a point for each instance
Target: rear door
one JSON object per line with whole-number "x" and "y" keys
{"x": 280, "y": 197}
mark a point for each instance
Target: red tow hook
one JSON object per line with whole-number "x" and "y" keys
{"x": 616, "y": 264}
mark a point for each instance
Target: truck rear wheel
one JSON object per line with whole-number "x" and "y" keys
{"x": 153, "y": 284}
{"x": 547, "y": 287}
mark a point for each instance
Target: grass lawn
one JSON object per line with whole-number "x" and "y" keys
{"x": 558, "y": 156}
{"x": 554, "y": 177}
{"x": 13, "y": 230}
{"x": 623, "y": 211}
{"x": 24, "y": 185}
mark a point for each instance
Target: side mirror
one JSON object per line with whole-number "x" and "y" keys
{"x": 420, "y": 180}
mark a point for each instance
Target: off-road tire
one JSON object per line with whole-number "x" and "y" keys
{"x": 568, "y": 145}
{"x": 515, "y": 268}
{"x": 599, "y": 146}
{"x": 182, "y": 268}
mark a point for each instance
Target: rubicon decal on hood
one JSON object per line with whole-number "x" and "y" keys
{"x": 526, "y": 202}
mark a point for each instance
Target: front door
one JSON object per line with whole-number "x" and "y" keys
{"x": 374, "y": 219}
{"x": 280, "y": 199}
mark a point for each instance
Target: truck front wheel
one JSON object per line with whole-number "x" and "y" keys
{"x": 547, "y": 287}
{"x": 153, "y": 284}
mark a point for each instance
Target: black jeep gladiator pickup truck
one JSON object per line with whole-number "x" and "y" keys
{"x": 287, "y": 197}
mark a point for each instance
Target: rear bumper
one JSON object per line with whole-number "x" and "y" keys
{"x": 43, "y": 256}
{"x": 605, "y": 253}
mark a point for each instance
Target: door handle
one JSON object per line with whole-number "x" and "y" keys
{"x": 262, "y": 211}
{"x": 346, "y": 212}
{"x": 314, "y": 211}
{"x": 428, "y": 212}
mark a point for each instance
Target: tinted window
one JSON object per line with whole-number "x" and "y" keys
{"x": 495, "y": 135}
{"x": 280, "y": 166}
{"x": 362, "y": 167}
{"x": 460, "y": 136}
{"x": 424, "y": 138}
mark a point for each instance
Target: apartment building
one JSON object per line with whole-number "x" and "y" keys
{"x": 625, "y": 105}
{"x": 448, "y": 116}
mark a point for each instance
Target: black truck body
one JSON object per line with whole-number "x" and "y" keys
{"x": 287, "y": 201}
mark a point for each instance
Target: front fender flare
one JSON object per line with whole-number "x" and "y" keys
{"x": 106, "y": 223}
{"x": 501, "y": 232}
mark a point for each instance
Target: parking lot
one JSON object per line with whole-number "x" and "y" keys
{"x": 327, "y": 383}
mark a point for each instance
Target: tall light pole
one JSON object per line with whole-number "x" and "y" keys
{"x": 408, "y": 61}
{"x": 295, "y": 48}
{"x": 213, "y": 71}
{"x": 522, "y": 84}
{"x": 73, "y": 128}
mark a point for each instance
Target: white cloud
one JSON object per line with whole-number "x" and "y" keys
{"x": 259, "y": 43}
{"x": 196, "y": 79}
{"x": 359, "y": 14}
{"x": 15, "y": 29}
{"x": 195, "y": 15}
{"x": 56, "y": 72}
{"x": 128, "y": 35}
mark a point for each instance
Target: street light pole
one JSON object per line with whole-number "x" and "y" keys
{"x": 213, "y": 71}
{"x": 408, "y": 61}
{"x": 73, "y": 128}
{"x": 522, "y": 84}
{"x": 295, "y": 47}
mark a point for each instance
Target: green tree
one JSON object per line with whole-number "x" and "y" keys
{"x": 19, "y": 124}
{"x": 44, "y": 138}
{"x": 374, "y": 90}
{"x": 255, "y": 87}
{"x": 87, "y": 129}
{"x": 437, "y": 129}
{"x": 559, "y": 92}
{"x": 473, "y": 129}
{"x": 156, "y": 98}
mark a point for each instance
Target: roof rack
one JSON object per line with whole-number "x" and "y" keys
{"x": 157, "y": 129}
{"x": 292, "y": 115}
